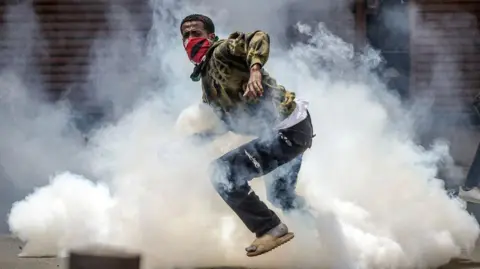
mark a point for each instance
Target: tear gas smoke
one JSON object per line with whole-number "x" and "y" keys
{"x": 29, "y": 127}
{"x": 377, "y": 200}
{"x": 439, "y": 55}
{"x": 36, "y": 139}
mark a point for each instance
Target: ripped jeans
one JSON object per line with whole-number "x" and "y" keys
{"x": 280, "y": 156}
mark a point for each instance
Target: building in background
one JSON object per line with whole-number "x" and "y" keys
{"x": 431, "y": 48}
{"x": 445, "y": 59}
{"x": 434, "y": 45}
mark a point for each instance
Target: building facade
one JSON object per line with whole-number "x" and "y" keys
{"x": 433, "y": 44}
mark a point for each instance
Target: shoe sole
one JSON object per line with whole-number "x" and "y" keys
{"x": 279, "y": 242}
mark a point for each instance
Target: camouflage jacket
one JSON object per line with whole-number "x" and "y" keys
{"x": 225, "y": 74}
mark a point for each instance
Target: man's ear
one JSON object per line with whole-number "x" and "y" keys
{"x": 211, "y": 37}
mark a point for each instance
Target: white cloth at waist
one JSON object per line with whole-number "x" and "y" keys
{"x": 299, "y": 113}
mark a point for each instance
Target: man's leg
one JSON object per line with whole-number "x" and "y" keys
{"x": 470, "y": 191}
{"x": 281, "y": 186}
{"x": 232, "y": 172}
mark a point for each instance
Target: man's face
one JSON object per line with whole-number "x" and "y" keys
{"x": 195, "y": 29}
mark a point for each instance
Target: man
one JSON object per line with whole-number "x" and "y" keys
{"x": 249, "y": 101}
{"x": 470, "y": 192}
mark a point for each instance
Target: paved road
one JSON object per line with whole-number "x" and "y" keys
{"x": 10, "y": 247}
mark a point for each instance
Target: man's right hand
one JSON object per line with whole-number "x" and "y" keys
{"x": 254, "y": 87}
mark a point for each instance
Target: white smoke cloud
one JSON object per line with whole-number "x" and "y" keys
{"x": 377, "y": 200}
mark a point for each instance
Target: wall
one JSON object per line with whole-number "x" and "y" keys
{"x": 445, "y": 52}
{"x": 388, "y": 30}
{"x": 337, "y": 16}
{"x": 55, "y": 36}
{"x": 67, "y": 29}
{"x": 445, "y": 59}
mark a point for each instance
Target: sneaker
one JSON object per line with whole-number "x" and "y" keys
{"x": 472, "y": 195}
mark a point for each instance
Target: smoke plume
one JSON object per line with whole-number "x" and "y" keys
{"x": 376, "y": 198}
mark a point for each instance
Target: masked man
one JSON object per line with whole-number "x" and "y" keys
{"x": 250, "y": 102}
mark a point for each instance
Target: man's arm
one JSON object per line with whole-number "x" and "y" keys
{"x": 254, "y": 47}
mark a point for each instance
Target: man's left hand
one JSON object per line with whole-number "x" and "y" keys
{"x": 254, "y": 86}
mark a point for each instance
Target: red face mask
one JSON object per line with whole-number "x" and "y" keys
{"x": 196, "y": 48}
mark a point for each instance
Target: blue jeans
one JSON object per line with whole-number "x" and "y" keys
{"x": 281, "y": 184}
{"x": 277, "y": 156}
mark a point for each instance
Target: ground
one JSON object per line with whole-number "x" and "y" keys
{"x": 10, "y": 247}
